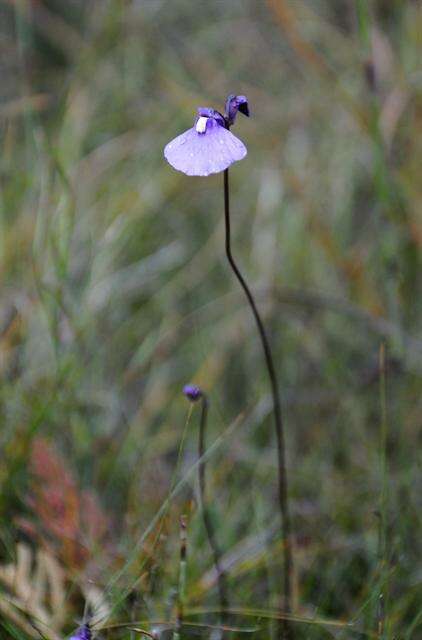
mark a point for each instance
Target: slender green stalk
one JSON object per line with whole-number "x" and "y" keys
{"x": 363, "y": 16}
{"x": 119, "y": 595}
{"x": 278, "y": 419}
{"x": 208, "y": 523}
{"x": 383, "y": 593}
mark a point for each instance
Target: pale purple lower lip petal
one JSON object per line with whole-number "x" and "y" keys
{"x": 200, "y": 154}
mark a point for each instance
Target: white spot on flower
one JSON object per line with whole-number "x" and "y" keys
{"x": 201, "y": 125}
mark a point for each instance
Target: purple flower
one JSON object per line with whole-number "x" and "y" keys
{"x": 207, "y": 148}
{"x": 83, "y": 633}
{"x": 192, "y": 392}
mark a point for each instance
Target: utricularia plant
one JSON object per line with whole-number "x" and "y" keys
{"x": 210, "y": 147}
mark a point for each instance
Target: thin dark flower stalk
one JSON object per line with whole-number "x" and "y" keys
{"x": 209, "y": 526}
{"x": 278, "y": 418}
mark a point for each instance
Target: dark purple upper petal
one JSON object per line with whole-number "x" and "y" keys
{"x": 205, "y": 111}
{"x": 211, "y": 113}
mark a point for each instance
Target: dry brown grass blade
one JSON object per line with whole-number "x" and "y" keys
{"x": 38, "y": 593}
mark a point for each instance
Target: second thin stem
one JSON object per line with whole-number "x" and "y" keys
{"x": 208, "y": 523}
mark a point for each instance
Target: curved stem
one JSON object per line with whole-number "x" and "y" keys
{"x": 278, "y": 418}
{"x": 209, "y": 527}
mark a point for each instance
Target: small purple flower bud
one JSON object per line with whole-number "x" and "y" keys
{"x": 208, "y": 147}
{"x": 192, "y": 392}
{"x": 235, "y": 104}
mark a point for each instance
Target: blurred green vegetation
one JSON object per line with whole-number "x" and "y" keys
{"x": 116, "y": 292}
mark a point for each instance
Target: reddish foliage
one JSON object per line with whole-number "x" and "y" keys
{"x": 71, "y": 520}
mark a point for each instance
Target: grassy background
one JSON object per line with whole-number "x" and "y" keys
{"x": 116, "y": 292}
